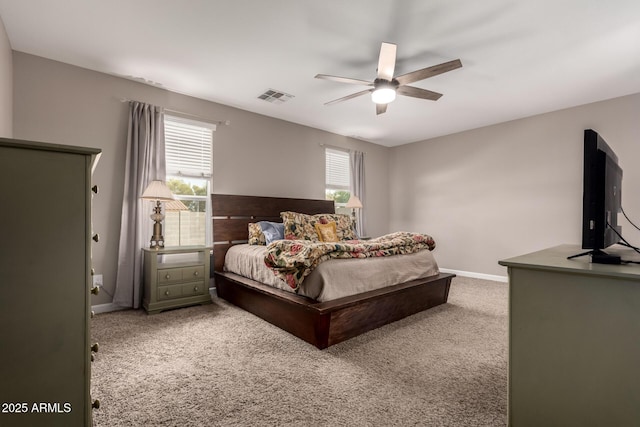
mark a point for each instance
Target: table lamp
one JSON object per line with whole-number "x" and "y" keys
{"x": 158, "y": 191}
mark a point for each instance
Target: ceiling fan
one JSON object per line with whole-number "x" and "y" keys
{"x": 386, "y": 86}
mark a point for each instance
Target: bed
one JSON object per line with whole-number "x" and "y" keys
{"x": 321, "y": 324}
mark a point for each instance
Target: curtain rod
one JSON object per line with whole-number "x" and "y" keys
{"x": 182, "y": 113}
{"x": 348, "y": 150}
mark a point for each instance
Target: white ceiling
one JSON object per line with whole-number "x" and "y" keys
{"x": 520, "y": 57}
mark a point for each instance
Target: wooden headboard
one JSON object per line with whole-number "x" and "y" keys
{"x": 232, "y": 214}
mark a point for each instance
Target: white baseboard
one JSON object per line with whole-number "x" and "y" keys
{"x": 504, "y": 279}
{"x": 106, "y": 308}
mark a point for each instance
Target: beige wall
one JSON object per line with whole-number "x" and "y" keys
{"x": 254, "y": 155}
{"x": 509, "y": 189}
{"x": 6, "y": 84}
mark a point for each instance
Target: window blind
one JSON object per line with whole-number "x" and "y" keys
{"x": 337, "y": 169}
{"x": 188, "y": 147}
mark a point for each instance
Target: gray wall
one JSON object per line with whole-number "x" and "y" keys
{"x": 6, "y": 84}
{"x": 513, "y": 188}
{"x": 486, "y": 194}
{"x": 254, "y": 155}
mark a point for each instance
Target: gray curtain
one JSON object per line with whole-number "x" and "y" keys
{"x": 357, "y": 187}
{"x": 145, "y": 162}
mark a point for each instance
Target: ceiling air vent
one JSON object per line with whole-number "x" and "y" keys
{"x": 275, "y": 96}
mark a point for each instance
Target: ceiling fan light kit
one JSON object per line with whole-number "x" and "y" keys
{"x": 386, "y": 86}
{"x": 383, "y": 96}
{"x": 384, "y": 92}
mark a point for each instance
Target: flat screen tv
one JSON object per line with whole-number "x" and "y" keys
{"x": 601, "y": 198}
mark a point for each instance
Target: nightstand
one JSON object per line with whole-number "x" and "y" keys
{"x": 175, "y": 277}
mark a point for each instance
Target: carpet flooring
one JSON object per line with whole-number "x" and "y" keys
{"x": 217, "y": 365}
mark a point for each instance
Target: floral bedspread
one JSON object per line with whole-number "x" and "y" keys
{"x": 293, "y": 260}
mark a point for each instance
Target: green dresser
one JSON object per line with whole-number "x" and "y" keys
{"x": 574, "y": 339}
{"x": 45, "y": 277}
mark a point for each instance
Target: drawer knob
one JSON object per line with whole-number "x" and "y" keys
{"x": 93, "y": 358}
{"x": 95, "y": 290}
{"x": 95, "y": 347}
{"x": 195, "y": 289}
{"x": 93, "y": 271}
{"x": 196, "y": 273}
{"x": 95, "y": 189}
{"x": 93, "y": 313}
{"x": 167, "y": 276}
{"x": 96, "y": 237}
{"x": 95, "y": 404}
{"x": 166, "y": 293}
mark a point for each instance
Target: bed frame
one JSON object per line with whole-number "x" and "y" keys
{"x": 319, "y": 323}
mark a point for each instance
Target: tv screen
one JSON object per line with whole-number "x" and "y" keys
{"x": 602, "y": 196}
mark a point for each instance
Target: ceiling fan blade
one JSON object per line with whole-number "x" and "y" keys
{"x": 387, "y": 61}
{"x": 344, "y": 80}
{"x": 344, "y": 98}
{"x": 381, "y": 108}
{"x": 416, "y": 92}
{"x": 424, "y": 73}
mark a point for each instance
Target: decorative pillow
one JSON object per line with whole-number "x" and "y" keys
{"x": 327, "y": 232}
{"x": 299, "y": 226}
{"x": 272, "y": 230}
{"x": 344, "y": 225}
{"x": 256, "y": 236}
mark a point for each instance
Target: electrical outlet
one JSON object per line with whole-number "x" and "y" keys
{"x": 97, "y": 280}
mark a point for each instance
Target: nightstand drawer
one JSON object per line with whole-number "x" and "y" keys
{"x": 193, "y": 273}
{"x": 181, "y": 274}
{"x": 169, "y": 275}
{"x": 169, "y": 292}
{"x": 194, "y": 288}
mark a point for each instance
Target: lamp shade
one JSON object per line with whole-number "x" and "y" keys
{"x": 354, "y": 202}
{"x": 175, "y": 205}
{"x": 157, "y": 190}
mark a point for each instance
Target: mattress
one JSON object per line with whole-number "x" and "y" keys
{"x": 336, "y": 278}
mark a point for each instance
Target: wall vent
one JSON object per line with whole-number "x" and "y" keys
{"x": 275, "y": 96}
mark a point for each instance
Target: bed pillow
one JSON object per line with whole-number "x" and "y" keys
{"x": 256, "y": 236}
{"x": 299, "y": 226}
{"x": 344, "y": 225}
{"x": 326, "y": 232}
{"x": 272, "y": 230}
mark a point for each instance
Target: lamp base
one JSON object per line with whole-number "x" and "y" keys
{"x": 156, "y": 244}
{"x": 353, "y": 220}
{"x": 157, "y": 240}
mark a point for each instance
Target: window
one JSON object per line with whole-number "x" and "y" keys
{"x": 338, "y": 178}
{"x": 189, "y": 157}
